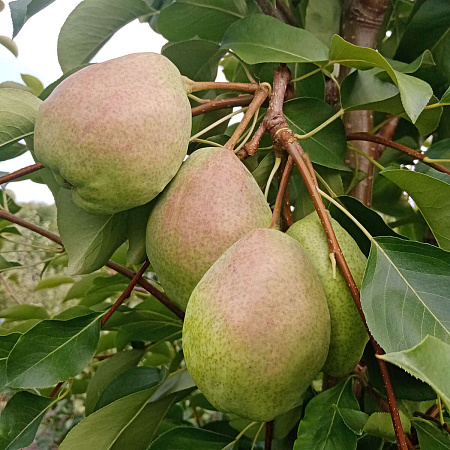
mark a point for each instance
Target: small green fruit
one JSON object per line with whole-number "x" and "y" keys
{"x": 210, "y": 204}
{"x": 348, "y": 334}
{"x": 117, "y": 131}
{"x": 257, "y": 327}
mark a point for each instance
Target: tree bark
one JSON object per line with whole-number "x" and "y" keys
{"x": 361, "y": 21}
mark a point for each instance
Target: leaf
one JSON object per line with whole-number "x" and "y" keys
{"x": 380, "y": 424}
{"x": 425, "y": 361}
{"x": 24, "y": 312}
{"x": 354, "y": 419}
{"x": 262, "y": 171}
{"x": 50, "y": 283}
{"x": 136, "y": 227}
{"x": 20, "y": 419}
{"x": 432, "y": 196}
{"x": 10, "y": 45}
{"x": 53, "y": 351}
{"x": 12, "y": 151}
{"x": 133, "y": 380}
{"x": 414, "y": 92}
{"x": 81, "y": 287}
{"x": 207, "y": 19}
{"x": 18, "y": 111}
{"x": 6, "y": 344}
{"x": 106, "y": 373}
{"x": 328, "y": 147}
{"x": 33, "y": 83}
{"x": 368, "y": 218}
{"x": 22, "y": 10}
{"x": 196, "y": 59}
{"x": 190, "y": 437}
{"x": 260, "y": 38}
{"x": 89, "y": 239}
{"x": 405, "y": 293}
{"x": 90, "y": 25}
{"x": 446, "y": 96}
{"x": 431, "y": 437}
{"x": 323, "y": 18}
{"x": 130, "y": 422}
{"x": 322, "y": 427}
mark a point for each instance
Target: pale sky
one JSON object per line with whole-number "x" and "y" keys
{"x": 37, "y": 56}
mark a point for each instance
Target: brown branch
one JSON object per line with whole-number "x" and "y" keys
{"x": 387, "y": 132}
{"x": 213, "y": 105}
{"x": 126, "y": 293}
{"x": 287, "y": 13}
{"x": 111, "y": 264}
{"x": 20, "y": 173}
{"x": 268, "y": 9}
{"x": 196, "y": 86}
{"x": 258, "y": 99}
{"x": 279, "y": 202}
{"x": 395, "y": 145}
{"x": 283, "y": 137}
{"x": 286, "y": 213}
{"x": 433, "y": 419}
{"x": 269, "y": 436}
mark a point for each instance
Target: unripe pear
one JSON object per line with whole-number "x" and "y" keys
{"x": 116, "y": 132}
{"x": 257, "y": 327}
{"x": 348, "y": 333}
{"x": 211, "y": 203}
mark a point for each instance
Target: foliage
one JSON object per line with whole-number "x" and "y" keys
{"x": 125, "y": 384}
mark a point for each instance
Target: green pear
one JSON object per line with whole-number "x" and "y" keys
{"x": 116, "y": 132}
{"x": 257, "y": 327}
{"x": 348, "y": 334}
{"x": 211, "y": 203}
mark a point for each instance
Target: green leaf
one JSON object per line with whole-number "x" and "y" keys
{"x": 22, "y": 10}
{"x": 428, "y": 24}
{"x": 81, "y": 287}
{"x": 10, "y": 45}
{"x": 196, "y": 59}
{"x": 446, "y": 96}
{"x": 259, "y": 38}
{"x": 431, "y": 437}
{"x": 136, "y": 227}
{"x": 106, "y": 373}
{"x": 7, "y": 342}
{"x": 432, "y": 197}
{"x": 328, "y": 147}
{"x": 405, "y": 293}
{"x": 24, "y": 312}
{"x": 190, "y": 437}
{"x": 12, "y": 151}
{"x": 322, "y": 427}
{"x": 33, "y": 83}
{"x": 90, "y": 25}
{"x": 262, "y": 171}
{"x": 20, "y": 420}
{"x": 323, "y": 19}
{"x": 130, "y": 422}
{"x": 425, "y": 361}
{"x": 380, "y": 424}
{"x": 438, "y": 150}
{"x": 89, "y": 239}
{"x": 53, "y": 351}
{"x": 133, "y": 380}
{"x": 414, "y": 92}
{"x": 49, "y": 283}
{"x": 354, "y": 419}
{"x": 18, "y": 111}
{"x": 207, "y": 19}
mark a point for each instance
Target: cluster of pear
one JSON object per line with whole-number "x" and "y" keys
{"x": 264, "y": 314}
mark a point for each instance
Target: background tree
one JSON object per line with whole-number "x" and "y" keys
{"x": 368, "y": 131}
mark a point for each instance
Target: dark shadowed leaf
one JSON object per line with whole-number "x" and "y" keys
{"x": 7, "y": 342}
{"x": 323, "y": 18}
{"x": 431, "y": 195}
{"x": 405, "y": 293}
{"x": 53, "y": 351}
{"x": 137, "y": 219}
{"x": 12, "y": 151}
{"x": 89, "y": 239}
{"x": 207, "y": 19}
{"x": 260, "y": 38}
{"x": 90, "y": 25}
{"x": 323, "y": 427}
{"x": 430, "y": 436}
{"x": 20, "y": 420}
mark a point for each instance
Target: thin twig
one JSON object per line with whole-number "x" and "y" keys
{"x": 395, "y": 145}
{"x": 197, "y": 86}
{"x": 111, "y": 264}
{"x": 275, "y": 222}
{"x": 20, "y": 173}
{"x": 287, "y": 163}
{"x": 213, "y": 105}
{"x": 285, "y": 9}
{"x": 8, "y": 289}
{"x": 269, "y": 436}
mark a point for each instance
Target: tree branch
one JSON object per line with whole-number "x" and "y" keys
{"x": 20, "y": 173}
{"x": 395, "y": 145}
{"x": 268, "y": 9}
{"x": 279, "y": 202}
{"x": 111, "y": 264}
{"x": 286, "y": 214}
{"x": 269, "y": 436}
{"x": 213, "y": 105}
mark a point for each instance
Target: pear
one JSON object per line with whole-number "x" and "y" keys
{"x": 257, "y": 327}
{"x": 211, "y": 203}
{"x": 116, "y": 132}
{"x": 348, "y": 334}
